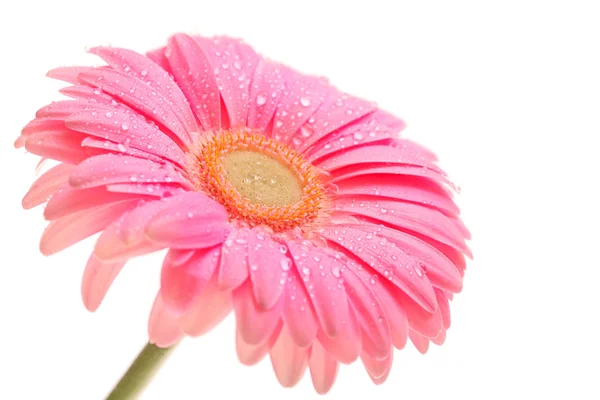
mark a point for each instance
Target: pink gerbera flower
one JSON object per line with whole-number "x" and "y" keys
{"x": 276, "y": 195}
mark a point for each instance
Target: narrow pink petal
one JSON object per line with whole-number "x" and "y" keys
{"x": 301, "y": 97}
{"x": 346, "y": 346}
{"x": 298, "y": 311}
{"x": 182, "y": 280}
{"x": 194, "y": 74}
{"x": 163, "y": 325}
{"x": 152, "y": 74}
{"x": 376, "y": 170}
{"x": 63, "y": 146}
{"x": 38, "y": 125}
{"x": 234, "y": 260}
{"x": 428, "y": 324}
{"x": 97, "y": 278}
{"x": 440, "y": 338}
{"x": 67, "y": 74}
{"x": 101, "y": 146}
{"x": 64, "y": 108}
{"x": 338, "y": 110}
{"x": 209, "y": 308}
{"x": 269, "y": 267}
{"x": 396, "y": 314}
{"x": 378, "y": 369}
{"x": 66, "y": 231}
{"x": 126, "y": 238}
{"x": 412, "y": 189}
{"x": 251, "y": 354}
{"x": 421, "y": 342}
{"x": 160, "y": 190}
{"x": 191, "y": 220}
{"x": 406, "y": 216}
{"x": 254, "y": 325}
{"x": 265, "y": 93}
{"x": 369, "y": 129}
{"x": 159, "y": 57}
{"x": 67, "y": 200}
{"x": 397, "y": 152}
{"x": 143, "y": 98}
{"x": 388, "y": 260}
{"x": 46, "y": 185}
{"x": 442, "y": 273}
{"x": 444, "y": 308}
{"x": 92, "y": 95}
{"x": 375, "y": 331}
{"x": 233, "y": 63}
{"x": 321, "y": 274}
{"x": 323, "y": 368}
{"x": 113, "y": 168}
{"x": 127, "y": 130}
{"x": 289, "y": 361}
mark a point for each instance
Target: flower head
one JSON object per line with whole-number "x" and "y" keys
{"x": 298, "y": 206}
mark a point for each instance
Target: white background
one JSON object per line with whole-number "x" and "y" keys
{"x": 507, "y": 93}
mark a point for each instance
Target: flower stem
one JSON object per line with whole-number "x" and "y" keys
{"x": 140, "y": 373}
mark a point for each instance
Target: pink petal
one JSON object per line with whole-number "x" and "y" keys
{"x": 369, "y": 129}
{"x": 190, "y": 220}
{"x": 396, "y": 314}
{"x": 265, "y": 93}
{"x": 376, "y": 339}
{"x": 97, "y": 278}
{"x": 159, "y": 57}
{"x": 233, "y": 63}
{"x": 420, "y": 342}
{"x": 194, "y": 74}
{"x": 381, "y": 170}
{"x": 67, "y": 200}
{"x": 412, "y": 189}
{"x": 268, "y": 261}
{"x": 140, "y": 96}
{"x": 234, "y": 260}
{"x": 397, "y": 152}
{"x": 388, "y": 260}
{"x": 64, "y": 108}
{"x": 251, "y": 354}
{"x": 301, "y": 97}
{"x": 67, "y": 74}
{"x": 255, "y": 325}
{"x": 183, "y": 279}
{"x": 64, "y": 232}
{"x": 442, "y": 273}
{"x": 163, "y": 325}
{"x": 323, "y": 368}
{"x": 127, "y": 130}
{"x": 321, "y": 273}
{"x": 93, "y": 95}
{"x": 338, "y": 110}
{"x": 46, "y": 185}
{"x": 152, "y": 74}
{"x": 209, "y": 308}
{"x": 63, "y": 146}
{"x": 100, "y": 146}
{"x": 112, "y": 168}
{"x": 423, "y": 220}
{"x": 346, "y": 346}
{"x": 289, "y": 361}
{"x": 378, "y": 369}
{"x": 425, "y": 323}
{"x": 444, "y": 308}
{"x": 439, "y": 339}
{"x": 161, "y": 190}
{"x": 298, "y": 312}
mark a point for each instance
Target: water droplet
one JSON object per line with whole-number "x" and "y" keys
{"x": 358, "y": 136}
{"x": 336, "y": 271}
{"x": 121, "y": 147}
{"x": 241, "y": 241}
{"x": 124, "y": 126}
{"x": 237, "y": 65}
{"x": 285, "y": 264}
{"x": 108, "y": 115}
{"x": 260, "y": 100}
{"x": 305, "y": 101}
{"x": 144, "y": 72}
{"x": 306, "y": 271}
{"x": 133, "y": 178}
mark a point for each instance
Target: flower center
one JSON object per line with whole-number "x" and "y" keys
{"x": 258, "y": 180}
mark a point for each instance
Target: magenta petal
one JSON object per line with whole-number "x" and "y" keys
{"x": 195, "y": 76}
{"x": 269, "y": 267}
{"x": 182, "y": 282}
{"x": 323, "y": 368}
{"x": 46, "y": 185}
{"x": 254, "y": 325}
{"x": 289, "y": 361}
{"x": 234, "y": 260}
{"x": 97, "y": 278}
{"x": 265, "y": 93}
{"x": 190, "y": 220}
{"x": 233, "y": 63}
{"x": 163, "y": 325}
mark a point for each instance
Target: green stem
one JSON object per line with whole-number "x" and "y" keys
{"x": 140, "y": 373}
